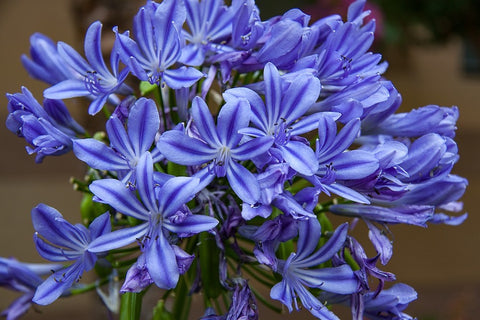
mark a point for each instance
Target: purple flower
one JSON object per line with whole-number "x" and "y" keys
{"x": 371, "y": 214}
{"x": 243, "y": 306}
{"x": 390, "y": 303}
{"x": 25, "y": 278}
{"x": 386, "y": 305}
{"x": 288, "y": 38}
{"x": 158, "y": 45}
{"x": 298, "y": 271}
{"x": 429, "y": 156}
{"x": 46, "y": 63}
{"x": 209, "y": 24}
{"x": 162, "y": 212}
{"x": 281, "y": 115}
{"x": 137, "y": 277}
{"x": 247, "y": 28}
{"x": 268, "y": 236}
{"x": 49, "y": 129}
{"x": 220, "y": 145}
{"x": 336, "y": 163}
{"x": 58, "y": 240}
{"x": 421, "y": 121}
{"x": 126, "y": 146}
{"x": 92, "y": 79}
{"x": 368, "y": 266}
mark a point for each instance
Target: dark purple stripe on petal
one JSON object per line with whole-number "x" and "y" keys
{"x": 143, "y": 125}
{"x": 162, "y": 263}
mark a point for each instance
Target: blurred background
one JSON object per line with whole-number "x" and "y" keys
{"x": 432, "y": 47}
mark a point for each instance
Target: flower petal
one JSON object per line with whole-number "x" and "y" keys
{"x": 258, "y": 108}
{"x": 180, "y": 148}
{"x": 203, "y": 120}
{"x": 340, "y": 279}
{"x": 57, "y": 284}
{"x": 309, "y": 232}
{"x": 243, "y": 182}
{"x": 93, "y": 50}
{"x": 162, "y": 263}
{"x": 273, "y": 93}
{"x": 144, "y": 182}
{"x": 118, "y": 238}
{"x": 192, "y": 224}
{"x": 118, "y": 137}
{"x": 300, "y": 157}
{"x": 119, "y": 196}
{"x": 97, "y": 155}
{"x": 66, "y": 89}
{"x": 51, "y": 225}
{"x": 175, "y": 193}
{"x": 143, "y": 125}
{"x": 50, "y": 252}
{"x": 299, "y": 97}
{"x": 231, "y": 118}
{"x": 182, "y": 77}
{"x": 283, "y": 293}
{"x": 101, "y": 225}
{"x": 327, "y": 251}
{"x": 252, "y": 148}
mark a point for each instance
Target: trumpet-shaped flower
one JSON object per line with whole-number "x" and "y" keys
{"x": 158, "y": 45}
{"x": 49, "y": 129}
{"x": 209, "y": 24}
{"x": 126, "y": 146}
{"x": 25, "y": 278}
{"x": 280, "y": 116}
{"x": 162, "y": 212}
{"x": 46, "y": 63}
{"x": 58, "y": 240}
{"x": 386, "y": 305}
{"x": 299, "y": 272}
{"x": 220, "y": 145}
{"x": 91, "y": 79}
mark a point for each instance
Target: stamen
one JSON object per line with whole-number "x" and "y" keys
{"x": 92, "y": 82}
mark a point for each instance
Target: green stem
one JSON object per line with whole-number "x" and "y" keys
{"x": 162, "y": 107}
{"x": 131, "y": 306}
{"x": 106, "y": 112}
{"x": 181, "y": 306}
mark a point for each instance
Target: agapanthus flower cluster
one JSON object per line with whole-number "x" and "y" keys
{"x": 220, "y": 172}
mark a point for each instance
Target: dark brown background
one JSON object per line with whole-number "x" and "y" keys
{"x": 441, "y": 262}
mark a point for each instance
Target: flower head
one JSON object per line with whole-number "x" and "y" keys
{"x": 298, "y": 270}
{"x": 281, "y": 115}
{"x": 163, "y": 214}
{"x": 50, "y": 129}
{"x": 90, "y": 78}
{"x": 58, "y": 240}
{"x": 220, "y": 145}
{"x": 46, "y": 63}
{"x": 25, "y": 278}
{"x": 126, "y": 146}
{"x": 157, "y": 48}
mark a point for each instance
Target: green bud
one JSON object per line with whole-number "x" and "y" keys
{"x": 146, "y": 88}
{"x": 90, "y": 209}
